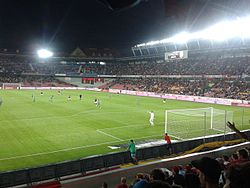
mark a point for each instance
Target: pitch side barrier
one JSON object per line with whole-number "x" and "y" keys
{"x": 84, "y": 166}
{"x": 60, "y": 88}
{"x": 210, "y": 100}
{"x": 223, "y": 101}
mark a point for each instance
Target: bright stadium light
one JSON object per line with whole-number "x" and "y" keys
{"x": 180, "y": 38}
{"x": 43, "y": 53}
{"x": 219, "y": 32}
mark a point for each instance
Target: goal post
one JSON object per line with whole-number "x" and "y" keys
{"x": 189, "y": 123}
{"x": 11, "y": 85}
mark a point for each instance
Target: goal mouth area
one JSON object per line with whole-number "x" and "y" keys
{"x": 197, "y": 122}
{"x": 11, "y": 85}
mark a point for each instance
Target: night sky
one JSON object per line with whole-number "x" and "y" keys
{"x": 63, "y": 25}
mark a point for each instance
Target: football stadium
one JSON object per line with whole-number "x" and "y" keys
{"x": 146, "y": 113}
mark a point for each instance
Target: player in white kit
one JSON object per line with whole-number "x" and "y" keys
{"x": 152, "y": 116}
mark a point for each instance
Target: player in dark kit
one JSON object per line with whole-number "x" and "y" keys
{"x": 51, "y": 98}
{"x": 69, "y": 98}
{"x": 80, "y": 96}
{"x": 97, "y": 103}
{"x": 33, "y": 97}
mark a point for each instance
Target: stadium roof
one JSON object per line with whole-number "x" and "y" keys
{"x": 63, "y": 25}
{"x": 219, "y": 32}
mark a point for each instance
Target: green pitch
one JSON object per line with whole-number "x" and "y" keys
{"x": 45, "y": 131}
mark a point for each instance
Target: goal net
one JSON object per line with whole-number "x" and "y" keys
{"x": 11, "y": 86}
{"x": 190, "y": 123}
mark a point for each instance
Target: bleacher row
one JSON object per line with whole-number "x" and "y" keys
{"x": 199, "y": 65}
{"x": 224, "y": 171}
{"x": 218, "y": 88}
{"x": 211, "y": 76}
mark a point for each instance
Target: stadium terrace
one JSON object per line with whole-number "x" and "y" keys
{"x": 169, "y": 113}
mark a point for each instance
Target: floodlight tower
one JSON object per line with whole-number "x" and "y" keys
{"x": 44, "y": 53}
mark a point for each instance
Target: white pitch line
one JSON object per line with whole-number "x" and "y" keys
{"x": 176, "y": 137}
{"x": 57, "y": 151}
{"x": 109, "y": 135}
{"x": 69, "y": 149}
{"x": 134, "y": 125}
{"x": 217, "y": 130}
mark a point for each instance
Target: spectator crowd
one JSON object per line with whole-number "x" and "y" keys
{"x": 231, "y": 83}
{"x": 219, "y": 88}
{"x": 222, "y": 172}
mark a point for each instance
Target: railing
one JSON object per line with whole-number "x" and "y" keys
{"x": 82, "y": 166}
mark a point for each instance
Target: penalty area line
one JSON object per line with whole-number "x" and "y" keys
{"x": 109, "y": 135}
{"x": 217, "y": 130}
{"x": 134, "y": 125}
{"x": 178, "y": 138}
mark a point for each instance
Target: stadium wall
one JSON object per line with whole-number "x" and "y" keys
{"x": 210, "y": 100}
{"x": 84, "y": 166}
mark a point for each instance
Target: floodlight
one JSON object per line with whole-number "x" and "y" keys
{"x": 43, "y": 53}
{"x": 219, "y": 32}
{"x": 180, "y": 38}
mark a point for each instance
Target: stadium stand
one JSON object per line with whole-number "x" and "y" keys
{"x": 215, "y": 76}
{"x": 219, "y": 88}
{"x": 33, "y": 81}
{"x": 212, "y": 75}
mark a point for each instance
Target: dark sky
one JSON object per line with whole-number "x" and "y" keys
{"x": 66, "y": 24}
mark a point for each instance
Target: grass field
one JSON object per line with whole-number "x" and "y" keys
{"x": 44, "y": 132}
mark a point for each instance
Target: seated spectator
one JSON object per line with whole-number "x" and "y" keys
{"x": 209, "y": 171}
{"x": 226, "y": 160}
{"x": 157, "y": 174}
{"x": 104, "y": 185}
{"x": 243, "y": 157}
{"x": 178, "y": 176}
{"x": 123, "y": 183}
{"x": 192, "y": 180}
{"x": 234, "y": 157}
{"x": 141, "y": 181}
{"x": 158, "y": 184}
{"x": 238, "y": 176}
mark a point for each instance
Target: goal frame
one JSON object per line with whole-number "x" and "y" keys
{"x": 210, "y": 113}
{"x": 11, "y": 86}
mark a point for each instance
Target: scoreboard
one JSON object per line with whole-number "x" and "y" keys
{"x": 176, "y": 55}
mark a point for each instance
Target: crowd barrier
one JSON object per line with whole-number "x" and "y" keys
{"x": 210, "y": 100}
{"x": 85, "y": 165}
